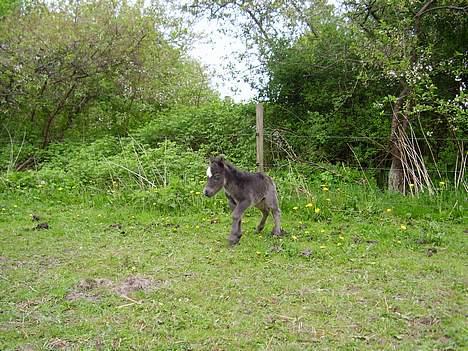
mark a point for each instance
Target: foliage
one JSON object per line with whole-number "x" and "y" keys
{"x": 81, "y": 67}
{"x": 169, "y": 177}
{"x": 6, "y": 6}
{"x": 420, "y": 47}
{"x": 322, "y": 98}
{"x": 216, "y": 128}
{"x": 338, "y": 74}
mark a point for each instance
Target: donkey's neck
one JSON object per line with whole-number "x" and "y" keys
{"x": 232, "y": 178}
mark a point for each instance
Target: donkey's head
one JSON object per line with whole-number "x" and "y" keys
{"x": 215, "y": 173}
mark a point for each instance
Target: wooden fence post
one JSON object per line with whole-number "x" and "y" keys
{"x": 259, "y": 134}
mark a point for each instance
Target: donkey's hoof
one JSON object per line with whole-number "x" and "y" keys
{"x": 278, "y": 232}
{"x": 233, "y": 241}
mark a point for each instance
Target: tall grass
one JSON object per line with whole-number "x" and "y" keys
{"x": 169, "y": 178}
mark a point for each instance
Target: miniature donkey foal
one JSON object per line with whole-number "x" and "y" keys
{"x": 243, "y": 190}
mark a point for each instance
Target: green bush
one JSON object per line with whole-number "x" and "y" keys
{"x": 215, "y": 128}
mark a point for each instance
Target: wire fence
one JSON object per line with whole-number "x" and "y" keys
{"x": 284, "y": 163}
{"x": 268, "y": 133}
{"x": 270, "y": 136}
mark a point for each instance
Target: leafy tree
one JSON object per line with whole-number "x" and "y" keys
{"x": 8, "y": 5}
{"x": 91, "y": 65}
{"x": 323, "y": 92}
{"x": 421, "y": 47}
{"x": 382, "y": 69}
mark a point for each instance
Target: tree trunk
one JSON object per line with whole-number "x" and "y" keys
{"x": 396, "y": 175}
{"x": 51, "y": 117}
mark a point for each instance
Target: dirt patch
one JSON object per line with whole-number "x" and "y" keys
{"x": 136, "y": 283}
{"x": 117, "y": 227}
{"x": 26, "y": 347}
{"x": 431, "y": 251}
{"x": 90, "y": 284}
{"x": 59, "y": 344}
{"x": 8, "y": 263}
{"x": 276, "y": 249}
{"x": 92, "y": 289}
{"x": 88, "y": 289}
{"x": 428, "y": 321}
{"x": 78, "y": 295}
{"x": 3, "y": 261}
{"x": 28, "y": 305}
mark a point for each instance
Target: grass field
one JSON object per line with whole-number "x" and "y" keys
{"x": 116, "y": 277}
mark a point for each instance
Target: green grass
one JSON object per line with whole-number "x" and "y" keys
{"x": 348, "y": 280}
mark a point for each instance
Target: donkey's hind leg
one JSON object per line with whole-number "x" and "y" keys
{"x": 271, "y": 202}
{"x": 265, "y": 211}
{"x": 277, "y": 218}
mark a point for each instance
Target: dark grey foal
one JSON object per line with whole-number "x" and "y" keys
{"x": 243, "y": 190}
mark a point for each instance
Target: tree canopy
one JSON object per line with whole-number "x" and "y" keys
{"x": 376, "y": 83}
{"x": 92, "y": 65}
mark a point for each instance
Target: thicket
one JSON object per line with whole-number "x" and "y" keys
{"x": 377, "y": 84}
{"x": 90, "y": 68}
{"x": 103, "y": 94}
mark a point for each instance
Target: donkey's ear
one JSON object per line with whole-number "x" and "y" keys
{"x": 220, "y": 160}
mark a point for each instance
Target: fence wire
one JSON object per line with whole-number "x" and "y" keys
{"x": 270, "y": 135}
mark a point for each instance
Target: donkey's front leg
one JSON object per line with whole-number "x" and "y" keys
{"x": 236, "y": 230}
{"x": 231, "y": 202}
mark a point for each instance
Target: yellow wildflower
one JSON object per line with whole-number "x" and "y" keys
{"x": 325, "y": 188}
{"x": 295, "y": 208}
{"x": 294, "y": 237}
{"x": 403, "y": 227}
{"x": 317, "y": 210}
{"x": 389, "y": 210}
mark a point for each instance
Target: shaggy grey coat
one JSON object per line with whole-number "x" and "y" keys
{"x": 243, "y": 190}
